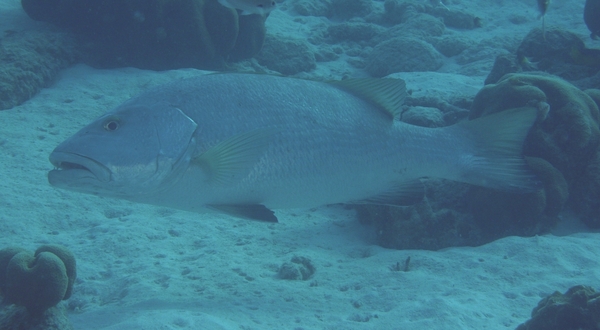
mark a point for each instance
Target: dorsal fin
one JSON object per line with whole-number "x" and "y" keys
{"x": 386, "y": 93}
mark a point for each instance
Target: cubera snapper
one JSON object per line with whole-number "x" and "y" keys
{"x": 245, "y": 144}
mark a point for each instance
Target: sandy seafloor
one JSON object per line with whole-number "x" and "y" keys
{"x": 146, "y": 267}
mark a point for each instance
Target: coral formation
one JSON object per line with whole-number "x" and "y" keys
{"x": 15, "y": 317}
{"x": 403, "y": 54}
{"x": 577, "y": 309}
{"x": 156, "y": 34}
{"x": 398, "y": 11}
{"x": 562, "y": 149}
{"x": 5, "y": 256}
{"x": 426, "y": 225}
{"x": 594, "y": 94}
{"x": 586, "y": 193}
{"x": 457, "y": 214}
{"x": 37, "y": 281}
{"x": 568, "y": 133}
{"x": 312, "y": 8}
{"x": 352, "y": 8}
{"x": 300, "y": 268}
{"x": 30, "y": 60}
{"x": 561, "y": 53}
{"x": 498, "y": 214}
{"x": 286, "y": 55}
{"x": 567, "y": 136}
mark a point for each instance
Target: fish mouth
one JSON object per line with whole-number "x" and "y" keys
{"x": 71, "y": 167}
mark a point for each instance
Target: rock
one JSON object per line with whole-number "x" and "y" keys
{"x": 300, "y": 268}
{"x": 423, "y": 116}
{"x": 313, "y": 8}
{"x": 450, "y": 45}
{"x": 354, "y": 31}
{"x": 352, "y": 8}
{"x": 30, "y": 60}
{"x": 586, "y": 193}
{"x": 14, "y": 317}
{"x": 37, "y": 281}
{"x": 504, "y": 64}
{"x": 578, "y": 308}
{"x": 155, "y": 34}
{"x": 287, "y": 56}
{"x": 402, "y": 54}
{"x": 566, "y": 136}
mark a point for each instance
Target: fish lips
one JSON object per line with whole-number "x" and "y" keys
{"x": 74, "y": 169}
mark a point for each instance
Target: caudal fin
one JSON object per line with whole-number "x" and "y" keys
{"x": 496, "y": 160}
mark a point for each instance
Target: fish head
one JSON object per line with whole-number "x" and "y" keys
{"x": 265, "y": 6}
{"x": 135, "y": 150}
{"x": 543, "y": 6}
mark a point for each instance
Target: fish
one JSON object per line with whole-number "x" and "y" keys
{"x": 585, "y": 56}
{"x": 249, "y": 7}
{"x": 543, "y": 8}
{"x": 591, "y": 17}
{"x": 526, "y": 63}
{"x": 248, "y": 144}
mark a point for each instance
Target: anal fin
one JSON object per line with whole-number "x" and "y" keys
{"x": 256, "y": 212}
{"x": 402, "y": 194}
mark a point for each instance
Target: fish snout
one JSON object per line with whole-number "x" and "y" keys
{"x": 71, "y": 167}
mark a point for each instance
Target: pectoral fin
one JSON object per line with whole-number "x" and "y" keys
{"x": 232, "y": 159}
{"x": 257, "y": 212}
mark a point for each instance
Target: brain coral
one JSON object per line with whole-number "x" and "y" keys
{"x": 568, "y": 131}
{"x": 37, "y": 281}
{"x": 566, "y": 135}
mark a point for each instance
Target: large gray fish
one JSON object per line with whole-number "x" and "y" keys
{"x": 245, "y": 144}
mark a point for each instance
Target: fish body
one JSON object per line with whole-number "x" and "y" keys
{"x": 543, "y": 8}
{"x": 591, "y": 17}
{"x": 244, "y": 143}
{"x": 585, "y": 56}
{"x": 249, "y": 7}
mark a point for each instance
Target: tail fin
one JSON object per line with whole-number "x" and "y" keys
{"x": 496, "y": 160}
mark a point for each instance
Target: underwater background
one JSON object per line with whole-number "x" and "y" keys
{"x": 464, "y": 258}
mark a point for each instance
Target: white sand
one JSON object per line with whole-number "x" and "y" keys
{"x": 145, "y": 267}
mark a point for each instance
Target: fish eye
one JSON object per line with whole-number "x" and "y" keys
{"x": 260, "y": 5}
{"x": 112, "y": 125}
